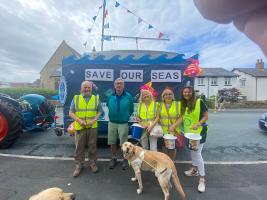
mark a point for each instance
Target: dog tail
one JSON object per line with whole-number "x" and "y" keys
{"x": 177, "y": 183}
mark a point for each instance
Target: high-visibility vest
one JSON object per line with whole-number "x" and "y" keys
{"x": 192, "y": 118}
{"x": 147, "y": 114}
{"x": 85, "y": 111}
{"x": 167, "y": 120}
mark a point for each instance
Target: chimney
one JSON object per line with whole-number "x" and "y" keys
{"x": 260, "y": 64}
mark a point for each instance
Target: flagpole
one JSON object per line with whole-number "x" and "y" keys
{"x": 103, "y": 22}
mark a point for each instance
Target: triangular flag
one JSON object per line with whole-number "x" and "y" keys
{"x": 150, "y": 26}
{"x": 160, "y": 35}
{"x": 117, "y": 4}
{"x": 106, "y": 13}
{"x": 94, "y": 18}
{"x": 100, "y": 7}
{"x": 89, "y": 30}
{"x": 84, "y": 44}
{"x": 106, "y": 25}
{"x": 129, "y": 11}
{"x": 139, "y": 20}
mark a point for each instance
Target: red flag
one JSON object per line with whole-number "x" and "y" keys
{"x": 106, "y": 13}
{"x": 160, "y": 35}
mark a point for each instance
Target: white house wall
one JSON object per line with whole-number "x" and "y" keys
{"x": 250, "y": 85}
{"x": 262, "y": 89}
{"x": 211, "y": 90}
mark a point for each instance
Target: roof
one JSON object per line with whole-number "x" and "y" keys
{"x": 216, "y": 72}
{"x": 62, "y": 45}
{"x": 253, "y": 72}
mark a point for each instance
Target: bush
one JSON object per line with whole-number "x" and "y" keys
{"x": 18, "y": 92}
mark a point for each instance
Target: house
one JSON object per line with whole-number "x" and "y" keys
{"x": 252, "y": 82}
{"x": 213, "y": 79}
{"x": 50, "y": 74}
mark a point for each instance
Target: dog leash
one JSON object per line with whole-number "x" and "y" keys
{"x": 142, "y": 154}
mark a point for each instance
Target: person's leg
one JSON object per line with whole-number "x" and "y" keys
{"x": 112, "y": 138}
{"x": 91, "y": 143}
{"x": 153, "y": 141}
{"x": 80, "y": 141}
{"x": 123, "y": 130}
{"x": 172, "y": 153}
{"x": 144, "y": 141}
{"x": 201, "y": 168}
{"x": 112, "y": 141}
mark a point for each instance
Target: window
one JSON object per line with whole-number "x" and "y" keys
{"x": 242, "y": 82}
{"x": 227, "y": 81}
{"x": 200, "y": 81}
{"x": 213, "y": 81}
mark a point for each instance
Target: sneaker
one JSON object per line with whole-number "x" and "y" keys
{"x": 125, "y": 164}
{"x": 113, "y": 163}
{"x": 201, "y": 185}
{"x": 77, "y": 171}
{"x": 94, "y": 168}
{"x": 191, "y": 172}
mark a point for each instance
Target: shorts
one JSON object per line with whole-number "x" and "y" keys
{"x": 116, "y": 131}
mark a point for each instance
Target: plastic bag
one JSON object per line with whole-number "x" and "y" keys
{"x": 180, "y": 141}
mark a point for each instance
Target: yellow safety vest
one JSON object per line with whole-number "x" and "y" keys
{"x": 147, "y": 114}
{"x": 192, "y": 118}
{"x": 167, "y": 120}
{"x": 85, "y": 111}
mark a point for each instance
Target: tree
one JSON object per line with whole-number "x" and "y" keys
{"x": 230, "y": 95}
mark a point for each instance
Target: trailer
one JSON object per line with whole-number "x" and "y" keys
{"x": 136, "y": 67}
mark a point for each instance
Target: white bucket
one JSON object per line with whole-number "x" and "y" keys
{"x": 194, "y": 140}
{"x": 169, "y": 141}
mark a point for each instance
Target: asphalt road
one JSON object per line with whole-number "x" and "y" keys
{"x": 235, "y": 155}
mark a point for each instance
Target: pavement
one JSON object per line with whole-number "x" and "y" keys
{"x": 235, "y": 157}
{"x": 20, "y": 178}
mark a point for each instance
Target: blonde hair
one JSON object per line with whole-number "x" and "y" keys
{"x": 164, "y": 93}
{"x": 142, "y": 95}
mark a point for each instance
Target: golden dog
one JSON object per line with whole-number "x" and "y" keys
{"x": 157, "y": 162}
{"x": 53, "y": 194}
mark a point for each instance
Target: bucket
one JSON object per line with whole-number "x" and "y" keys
{"x": 137, "y": 131}
{"x": 169, "y": 141}
{"x": 192, "y": 140}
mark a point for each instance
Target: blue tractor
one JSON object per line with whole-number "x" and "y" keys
{"x": 30, "y": 112}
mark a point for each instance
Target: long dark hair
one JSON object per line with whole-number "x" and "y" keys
{"x": 191, "y": 103}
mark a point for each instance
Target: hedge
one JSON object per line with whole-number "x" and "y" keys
{"x": 18, "y": 92}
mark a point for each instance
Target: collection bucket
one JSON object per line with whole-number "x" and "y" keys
{"x": 169, "y": 141}
{"x": 192, "y": 140}
{"x": 137, "y": 131}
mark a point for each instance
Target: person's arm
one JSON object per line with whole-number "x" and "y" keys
{"x": 99, "y": 112}
{"x": 155, "y": 121}
{"x": 131, "y": 104}
{"x": 178, "y": 122}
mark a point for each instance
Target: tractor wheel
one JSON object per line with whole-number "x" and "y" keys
{"x": 11, "y": 124}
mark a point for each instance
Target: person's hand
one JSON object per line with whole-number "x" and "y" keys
{"x": 195, "y": 126}
{"x": 81, "y": 122}
{"x": 149, "y": 128}
{"x": 91, "y": 122}
{"x": 172, "y": 128}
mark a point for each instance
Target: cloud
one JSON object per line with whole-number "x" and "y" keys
{"x": 33, "y": 29}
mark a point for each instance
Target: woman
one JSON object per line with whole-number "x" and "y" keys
{"x": 194, "y": 116}
{"x": 168, "y": 113}
{"x": 146, "y": 115}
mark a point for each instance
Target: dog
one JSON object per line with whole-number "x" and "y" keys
{"x": 157, "y": 162}
{"x": 53, "y": 194}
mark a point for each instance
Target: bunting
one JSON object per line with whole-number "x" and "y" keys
{"x": 94, "y": 18}
{"x": 107, "y": 37}
{"x": 85, "y": 44}
{"x": 106, "y": 13}
{"x": 150, "y": 26}
{"x": 117, "y": 4}
{"x": 160, "y": 35}
{"x": 139, "y": 20}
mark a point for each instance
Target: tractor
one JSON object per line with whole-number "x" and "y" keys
{"x": 29, "y": 113}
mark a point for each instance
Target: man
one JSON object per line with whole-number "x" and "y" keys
{"x": 85, "y": 110}
{"x": 120, "y": 105}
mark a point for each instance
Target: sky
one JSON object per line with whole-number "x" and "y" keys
{"x": 31, "y": 31}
